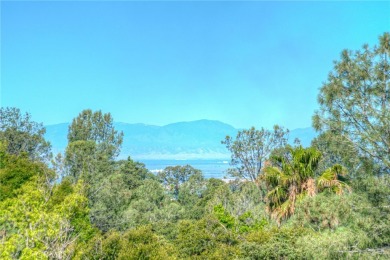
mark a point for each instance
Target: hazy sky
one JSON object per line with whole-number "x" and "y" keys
{"x": 243, "y": 63}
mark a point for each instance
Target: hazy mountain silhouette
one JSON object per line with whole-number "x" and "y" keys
{"x": 199, "y": 139}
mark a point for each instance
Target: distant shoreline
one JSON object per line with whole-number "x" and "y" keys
{"x": 211, "y": 168}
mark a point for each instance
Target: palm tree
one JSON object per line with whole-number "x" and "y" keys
{"x": 292, "y": 177}
{"x": 333, "y": 179}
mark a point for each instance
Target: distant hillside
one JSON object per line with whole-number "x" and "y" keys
{"x": 305, "y": 135}
{"x": 185, "y": 140}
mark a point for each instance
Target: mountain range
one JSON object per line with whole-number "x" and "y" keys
{"x": 199, "y": 139}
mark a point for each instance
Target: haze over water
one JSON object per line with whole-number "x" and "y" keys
{"x": 210, "y": 168}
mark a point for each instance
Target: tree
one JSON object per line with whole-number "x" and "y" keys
{"x": 116, "y": 191}
{"x": 174, "y": 176}
{"x": 93, "y": 144}
{"x": 17, "y": 170}
{"x": 345, "y": 154}
{"x": 292, "y": 177}
{"x": 23, "y": 135}
{"x": 251, "y": 148}
{"x": 355, "y": 101}
{"x": 139, "y": 243}
{"x": 81, "y": 159}
{"x": 206, "y": 238}
{"x": 97, "y": 127}
{"x": 134, "y": 173}
{"x": 37, "y": 220}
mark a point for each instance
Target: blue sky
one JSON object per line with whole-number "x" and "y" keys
{"x": 243, "y": 63}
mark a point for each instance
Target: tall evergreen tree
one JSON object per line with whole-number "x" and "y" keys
{"x": 355, "y": 101}
{"x": 97, "y": 127}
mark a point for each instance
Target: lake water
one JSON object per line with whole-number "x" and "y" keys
{"x": 210, "y": 168}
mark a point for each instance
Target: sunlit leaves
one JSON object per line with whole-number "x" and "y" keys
{"x": 37, "y": 229}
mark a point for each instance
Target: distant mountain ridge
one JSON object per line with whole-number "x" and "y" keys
{"x": 199, "y": 139}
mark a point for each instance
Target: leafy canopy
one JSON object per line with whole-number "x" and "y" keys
{"x": 355, "y": 101}
{"x": 22, "y": 135}
{"x": 251, "y": 148}
{"x": 97, "y": 127}
{"x": 174, "y": 176}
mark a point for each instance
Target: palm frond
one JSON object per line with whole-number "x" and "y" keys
{"x": 272, "y": 176}
{"x": 277, "y": 195}
{"x": 282, "y": 212}
{"x": 330, "y": 179}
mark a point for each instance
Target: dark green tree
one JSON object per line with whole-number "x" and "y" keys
{"x": 174, "y": 176}
{"x": 81, "y": 159}
{"x": 115, "y": 193}
{"x": 134, "y": 172}
{"x": 251, "y": 149}
{"x": 355, "y": 101}
{"x": 139, "y": 243}
{"x": 17, "y": 170}
{"x": 338, "y": 149}
{"x": 206, "y": 238}
{"x": 97, "y": 127}
{"x": 22, "y": 135}
{"x": 93, "y": 145}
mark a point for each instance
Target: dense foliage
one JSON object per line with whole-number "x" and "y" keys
{"x": 292, "y": 178}
{"x": 355, "y": 101}
{"x": 21, "y": 135}
{"x": 327, "y": 201}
